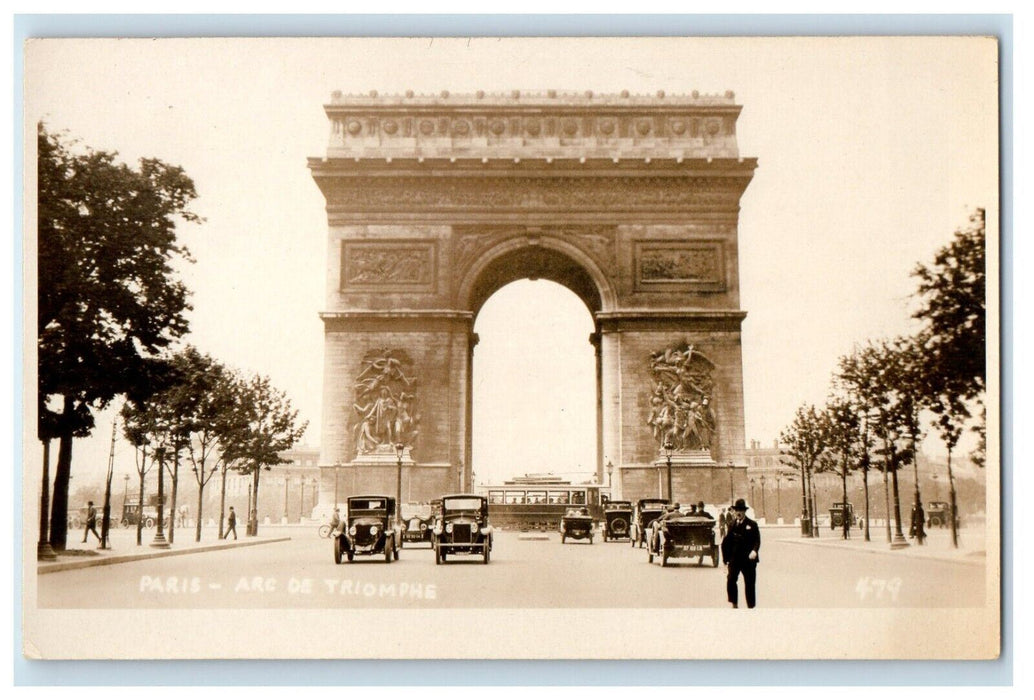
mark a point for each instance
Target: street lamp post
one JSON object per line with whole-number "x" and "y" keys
{"x": 752, "y": 491}
{"x": 730, "y": 482}
{"x": 668, "y": 449}
{"x": 610, "y": 478}
{"x": 159, "y": 541}
{"x": 764, "y": 513}
{"x": 125, "y": 491}
{"x": 779, "y": 503}
{"x": 399, "y": 450}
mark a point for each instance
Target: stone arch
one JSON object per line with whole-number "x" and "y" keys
{"x": 539, "y": 257}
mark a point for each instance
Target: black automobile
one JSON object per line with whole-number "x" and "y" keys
{"x": 462, "y": 528}
{"x": 576, "y": 524}
{"x": 837, "y": 514}
{"x": 646, "y": 511}
{"x": 938, "y": 514}
{"x": 417, "y": 524}
{"x": 680, "y": 535}
{"x": 617, "y": 520}
{"x": 368, "y": 529}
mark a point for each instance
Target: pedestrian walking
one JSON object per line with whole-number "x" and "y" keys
{"x": 722, "y": 524}
{"x": 740, "y": 548}
{"x": 918, "y": 529}
{"x": 231, "y": 524}
{"x": 91, "y": 522}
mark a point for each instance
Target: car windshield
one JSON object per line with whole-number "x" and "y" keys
{"x": 416, "y": 510}
{"x": 367, "y": 504}
{"x": 451, "y": 504}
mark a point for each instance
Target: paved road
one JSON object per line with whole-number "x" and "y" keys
{"x": 301, "y": 574}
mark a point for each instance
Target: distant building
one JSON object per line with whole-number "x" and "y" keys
{"x": 288, "y": 490}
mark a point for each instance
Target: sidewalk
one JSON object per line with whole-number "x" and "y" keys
{"x": 938, "y": 546}
{"x": 123, "y": 548}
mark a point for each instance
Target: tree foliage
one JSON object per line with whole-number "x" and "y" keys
{"x": 952, "y": 291}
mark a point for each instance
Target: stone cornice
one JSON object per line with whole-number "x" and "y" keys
{"x": 398, "y": 320}
{"x": 668, "y": 320}
{"x": 548, "y": 124}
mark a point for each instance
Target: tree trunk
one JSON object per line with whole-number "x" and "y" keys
{"x": 44, "y": 499}
{"x": 59, "y": 504}
{"x": 255, "y": 495}
{"x": 953, "y": 514}
{"x": 846, "y": 516}
{"x": 222, "y": 502}
{"x": 804, "y": 499}
{"x": 200, "y": 497}
{"x": 814, "y": 514}
{"x": 865, "y": 489}
{"x": 886, "y": 498}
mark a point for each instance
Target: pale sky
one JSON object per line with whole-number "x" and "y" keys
{"x": 871, "y": 152}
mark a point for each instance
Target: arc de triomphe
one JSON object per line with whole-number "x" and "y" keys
{"x": 436, "y": 202}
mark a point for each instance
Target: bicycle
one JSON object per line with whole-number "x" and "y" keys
{"x": 324, "y": 531}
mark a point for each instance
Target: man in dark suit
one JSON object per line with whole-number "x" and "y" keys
{"x": 740, "y": 553}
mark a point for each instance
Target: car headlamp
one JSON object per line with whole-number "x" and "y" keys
{"x": 485, "y": 530}
{"x": 351, "y": 531}
{"x": 448, "y": 528}
{"x": 423, "y": 526}
{"x": 374, "y": 530}
{"x": 437, "y": 528}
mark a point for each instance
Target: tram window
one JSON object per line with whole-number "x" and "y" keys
{"x": 578, "y": 497}
{"x": 495, "y": 497}
{"x": 560, "y": 497}
{"x": 513, "y": 497}
{"x": 536, "y": 497}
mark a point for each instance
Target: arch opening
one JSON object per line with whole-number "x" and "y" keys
{"x": 535, "y": 392}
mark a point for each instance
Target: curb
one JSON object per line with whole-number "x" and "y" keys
{"x": 156, "y": 554}
{"x": 956, "y": 560}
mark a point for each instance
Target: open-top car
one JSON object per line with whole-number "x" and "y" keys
{"x": 681, "y": 535}
{"x": 417, "y": 523}
{"x": 462, "y": 528}
{"x": 576, "y": 524}
{"x": 368, "y": 529}
{"x": 646, "y": 511}
{"x": 617, "y": 520}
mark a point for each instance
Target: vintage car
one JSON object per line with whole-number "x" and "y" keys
{"x": 368, "y": 529}
{"x": 417, "y": 523}
{"x": 683, "y": 536}
{"x": 937, "y": 514}
{"x": 576, "y": 523}
{"x": 646, "y": 511}
{"x": 131, "y": 515}
{"x": 463, "y": 528}
{"x": 617, "y": 520}
{"x": 836, "y": 515}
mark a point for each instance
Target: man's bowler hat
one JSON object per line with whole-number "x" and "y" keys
{"x": 740, "y": 504}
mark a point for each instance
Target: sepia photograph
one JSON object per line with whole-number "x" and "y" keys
{"x": 511, "y": 348}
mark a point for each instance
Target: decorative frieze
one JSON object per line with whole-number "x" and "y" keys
{"x": 681, "y": 411}
{"x": 597, "y": 194}
{"x": 407, "y": 266}
{"x": 667, "y": 266}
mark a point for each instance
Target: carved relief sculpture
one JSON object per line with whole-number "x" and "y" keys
{"x": 384, "y": 402}
{"x": 680, "y": 407}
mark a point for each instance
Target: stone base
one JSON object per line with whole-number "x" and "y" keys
{"x": 691, "y": 458}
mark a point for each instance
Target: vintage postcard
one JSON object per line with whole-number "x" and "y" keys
{"x": 511, "y": 348}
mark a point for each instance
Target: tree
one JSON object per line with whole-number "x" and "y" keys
{"x": 107, "y": 297}
{"x": 840, "y": 424}
{"x": 271, "y": 428}
{"x": 953, "y": 297}
{"x": 804, "y": 441}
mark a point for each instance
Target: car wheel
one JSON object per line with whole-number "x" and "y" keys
{"x": 397, "y": 552}
{"x": 387, "y": 552}
{"x": 445, "y": 556}
{"x": 337, "y": 550}
{"x": 485, "y": 554}
{"x": 125, "y": 522}
{"x": 563, "y": 538}
{"x": 590, "y": 539}
{"x": 349, "y": 554}
{"x": 714, "y": 560}
{"x": 664, "y": 558}
{"x": 149, "y": 523}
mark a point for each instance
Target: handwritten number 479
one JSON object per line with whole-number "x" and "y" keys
{"x": 878, "y": 588}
